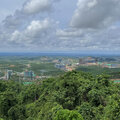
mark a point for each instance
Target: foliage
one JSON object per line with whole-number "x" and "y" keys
{"x": 73, "y": 96}
{"x": 68, "y": 115}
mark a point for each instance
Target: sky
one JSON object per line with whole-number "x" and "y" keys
{"x": 60, "y": 26}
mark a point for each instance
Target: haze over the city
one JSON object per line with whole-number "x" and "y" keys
{"x": 60, "y": 25}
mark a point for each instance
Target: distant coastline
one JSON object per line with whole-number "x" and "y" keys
{"x": 77, "y": 54}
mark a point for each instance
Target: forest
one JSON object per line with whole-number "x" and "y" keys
{"x": 73, "y": 96}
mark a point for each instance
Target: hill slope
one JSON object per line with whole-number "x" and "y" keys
{"x": 73, "y": 96}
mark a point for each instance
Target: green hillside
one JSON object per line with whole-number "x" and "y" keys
{"x": 73, "y": 96}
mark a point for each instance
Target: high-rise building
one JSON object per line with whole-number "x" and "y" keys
{"x": 8, "y": 74}
{"x": 29, "y": 75}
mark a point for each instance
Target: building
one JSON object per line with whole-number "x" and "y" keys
{"x": 60, "y": 66}
{"x": 88, "y": 61}
{"x": 81, "y": 61}
{"x": 29, "y": 75}
{"x": 8, "y": 74}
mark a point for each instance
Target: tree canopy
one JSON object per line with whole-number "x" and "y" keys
{"x": 72, "y": 96}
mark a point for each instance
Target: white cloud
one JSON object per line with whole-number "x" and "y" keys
{"x": 29, "y": 28}
{"x": 95, "y": 13}
{"x": 68, "y": 33}
{"x": 32, "y": 30}
{"x": 90, "y": 39}
{"x": 15, "y": 36}
{"x": 31, "y": 10}
{"x": 85, "y": 31}
{"x": 36, "y": 33}
{"x": 38, "y": 27}
{"x": 36, "y": 6}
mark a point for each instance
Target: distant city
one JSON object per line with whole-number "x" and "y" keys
{"x": 32, "y": 68}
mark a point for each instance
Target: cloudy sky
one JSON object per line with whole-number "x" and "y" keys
{"x": 59, "y": 25}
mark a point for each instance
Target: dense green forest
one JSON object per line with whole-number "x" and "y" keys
{"x": 98, "y": 70}
{"x": 72, "y": 96}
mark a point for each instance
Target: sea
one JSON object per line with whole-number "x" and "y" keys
{"x": 69, "y": 54}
